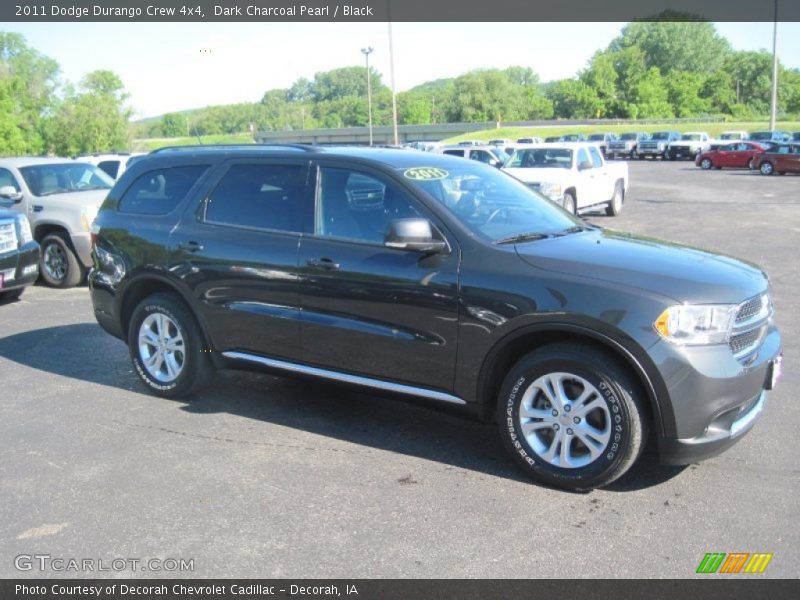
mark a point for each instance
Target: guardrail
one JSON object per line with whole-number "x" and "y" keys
{"x": 384, "y": 134}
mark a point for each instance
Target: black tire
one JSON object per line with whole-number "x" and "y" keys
{"x": 617, "y": 398}
{"x": 59, "y": 265}
{"x": 570, "y": 203}
{"x": 196, "y": 369}
{"x": 706, "y": 164}
{"x": 766, "y": 168}
{"x": 614, "y": 206}
{"x": 11, "y": 295}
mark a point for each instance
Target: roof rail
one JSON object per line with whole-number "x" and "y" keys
{"x": 206, "y": 147}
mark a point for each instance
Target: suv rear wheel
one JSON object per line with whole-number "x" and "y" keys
{"x": 571, "y": 417}
{"x": 166, "y": 347}
{"x": 60, "y": 266}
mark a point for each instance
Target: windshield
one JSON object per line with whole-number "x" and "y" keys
{"x": 62, "y": 178}
{"x": 541, "y": 158}
{"x": 597, "y": 137}
{"x": 501, "y": 154}
{"x": 694, "y": 137}
{"x": 761, "y": 135}
{"x": 573, "y": 137}
{"x": 491, "y": 203}
{"x": 660, "y": 135}
{"x": 730, "y": 136}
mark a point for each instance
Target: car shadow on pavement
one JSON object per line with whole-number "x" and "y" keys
{"x": 84, "y": 352}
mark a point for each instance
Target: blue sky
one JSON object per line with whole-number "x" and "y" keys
{"x": 175, "y": 66}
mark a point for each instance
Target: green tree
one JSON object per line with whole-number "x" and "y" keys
{"x": 574, "y": 100}
{"x": 32, "y": 80}
{"x": 685, "y": 94}
{"x": 174, "y": 125}
{"x": 676, "y": 41}
{"x": 92, "y": 118}
{"x": 12, "y": 140}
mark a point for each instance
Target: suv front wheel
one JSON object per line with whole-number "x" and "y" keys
{"x": 571, "y": 417}
{"x": 60, "y": 266}
{"x": 166, "y": 347}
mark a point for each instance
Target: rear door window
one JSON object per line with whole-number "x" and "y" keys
{"x": 158, "y": 192}
{"x": 261, "y": 196}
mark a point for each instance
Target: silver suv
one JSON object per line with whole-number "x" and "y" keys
{"x": 60, "y": 197}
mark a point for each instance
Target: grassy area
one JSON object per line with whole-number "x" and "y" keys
{"x": 713, "y": 129}
{"x": 147, "y": 144}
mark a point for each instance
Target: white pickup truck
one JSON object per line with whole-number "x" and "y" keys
{"x": 691, "y": 144}
{"x": 575, "y": 176}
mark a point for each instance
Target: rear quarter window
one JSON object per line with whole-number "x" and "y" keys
{"x": 158, "y": 192}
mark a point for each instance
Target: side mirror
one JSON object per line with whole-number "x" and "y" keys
{"x": 413, "y": 234}
{"x": 10, "y": 193}
{"x": 585, "y": 165}
{"x": 495, "y": 163}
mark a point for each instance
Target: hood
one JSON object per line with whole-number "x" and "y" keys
{"x": 535, "y": 175}
{"x": 73, "y": 199}
{"x": 671, "y": 270}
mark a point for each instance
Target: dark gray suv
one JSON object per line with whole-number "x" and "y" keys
{"x": 443, "y": 279}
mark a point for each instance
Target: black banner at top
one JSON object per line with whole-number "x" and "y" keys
{"x": 396, "y": 10}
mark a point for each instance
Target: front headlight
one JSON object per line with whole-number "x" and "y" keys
{"x": 551, "y": 190}
{"x": 24, "y": 233}
{"x": 88, "y": 215}
{"x": 692, "y": 325}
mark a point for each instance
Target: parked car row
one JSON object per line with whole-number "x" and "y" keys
{"x": 666, "y": 145}
{"x": 768, "y": 158}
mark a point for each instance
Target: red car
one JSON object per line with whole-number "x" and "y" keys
{"x": 738, "y": 154}
{"x": 783, "y": 158}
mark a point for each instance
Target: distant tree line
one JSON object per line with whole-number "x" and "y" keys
{"x": 674, "y": 67}
{"x": 39, "y": 114}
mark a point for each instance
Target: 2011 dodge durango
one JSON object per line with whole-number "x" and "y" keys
{"x": 447, "y": 280}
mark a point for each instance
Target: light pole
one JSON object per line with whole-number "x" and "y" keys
{"x": 367, "y": 51}
{"x": 394, "y": 93}
{"x": 774, "y": 107}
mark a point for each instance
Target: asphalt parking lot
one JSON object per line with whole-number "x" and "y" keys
{"x": 262, "y": 476}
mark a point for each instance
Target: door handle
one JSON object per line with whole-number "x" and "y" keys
{"x": 323, "y": 263}
{"x": 190, "y": 246}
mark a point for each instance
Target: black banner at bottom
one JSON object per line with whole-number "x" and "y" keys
{"x": 732, "y": 588}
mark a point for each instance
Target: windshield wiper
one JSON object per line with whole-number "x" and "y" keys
{"x": 573, "y": 229}
{"x": 522, "y": 237}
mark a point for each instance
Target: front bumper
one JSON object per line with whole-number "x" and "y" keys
{"x": 82, "y": 242}
{"x": 715, "y": 399}
{"x": 20, "y": 268}
{"x": 687, "y": 152}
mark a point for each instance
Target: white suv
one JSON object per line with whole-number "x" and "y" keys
{"x": 60, "y": 197}
{"x": 113, "y": 164}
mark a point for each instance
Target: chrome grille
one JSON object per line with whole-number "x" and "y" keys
{"x": 750, "y": 326}
{"x": 747, "y": 310}
{"x": 8, "y": 236}
{"x": 365, "y": 199}
{"x": 742, "y": 343}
